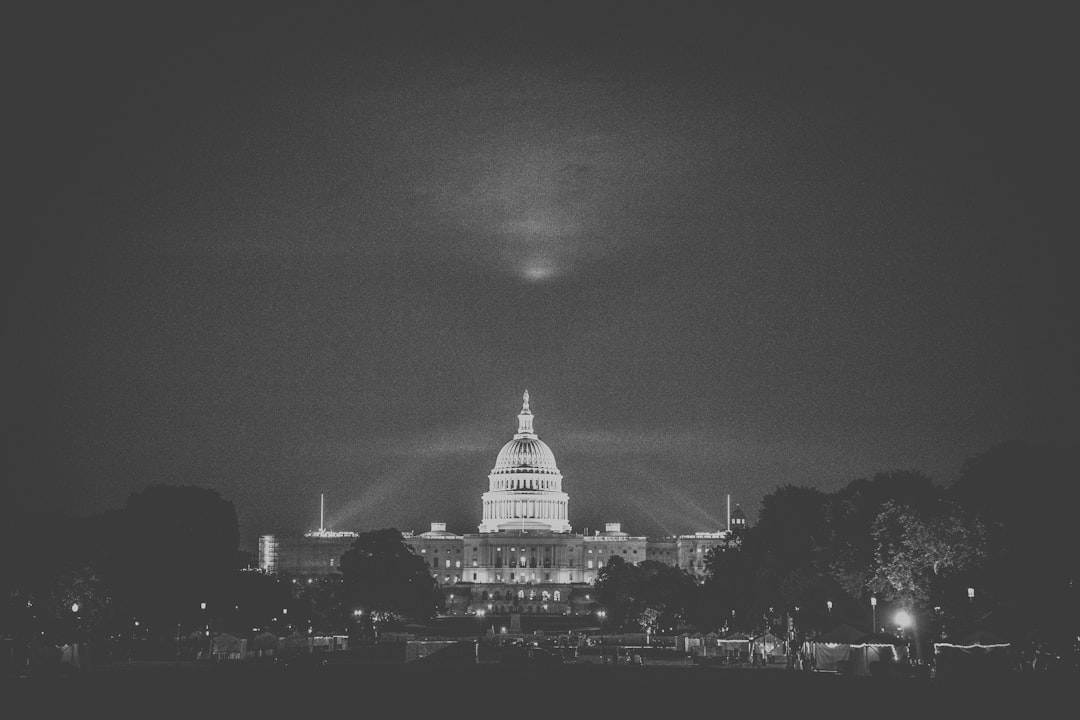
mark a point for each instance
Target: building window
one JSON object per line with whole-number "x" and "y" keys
{"x": 557, "y": 596}
{"x": 474, "y": 577}
{"x": 457, "y": 563}
{"x": 590, "y": 565}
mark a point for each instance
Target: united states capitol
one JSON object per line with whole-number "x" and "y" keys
{"x": 525, "y": 556}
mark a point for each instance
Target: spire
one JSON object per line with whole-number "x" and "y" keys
{"x": 525, "y": 418}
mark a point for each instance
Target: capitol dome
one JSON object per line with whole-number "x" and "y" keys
{"x": 525, "y": 454}
{"x": 525, "y": 486}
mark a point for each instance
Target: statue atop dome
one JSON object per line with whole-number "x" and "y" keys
{"x": 525, "y": 419}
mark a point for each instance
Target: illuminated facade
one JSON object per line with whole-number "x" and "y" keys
{"x": 524, "y": 557}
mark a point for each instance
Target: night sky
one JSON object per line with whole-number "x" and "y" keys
{"x": 281, "y": 250}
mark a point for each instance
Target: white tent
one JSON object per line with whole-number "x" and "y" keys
{"x": 978, "y": 654}
{"x": 734, "y": 644}
{"x": 769, "y": 648}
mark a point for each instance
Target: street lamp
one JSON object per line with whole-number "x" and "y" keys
{"x": 209, "y": 627}
{"x": 480, "y": 633}
{"x": 601, "y": 614}
{"x": 905, "y": 620}
{"x": 828, "y": 604}
{"x": 971, "y": 595}
{"x": 873, "y": 614}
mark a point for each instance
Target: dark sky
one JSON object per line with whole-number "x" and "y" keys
{"x": 281, "y": 250}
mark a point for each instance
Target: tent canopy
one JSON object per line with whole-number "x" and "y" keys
{"x": 842, "y": 634}
{"x": 880, "y": 639}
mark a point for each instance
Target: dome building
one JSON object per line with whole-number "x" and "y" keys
{"x": 524, "y": 557}
{"x": 525, "y": 486}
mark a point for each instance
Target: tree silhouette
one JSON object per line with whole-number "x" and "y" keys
{"x": 384, "y": 578}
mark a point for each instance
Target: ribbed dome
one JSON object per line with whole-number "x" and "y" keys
{"x": 527, "y": 453}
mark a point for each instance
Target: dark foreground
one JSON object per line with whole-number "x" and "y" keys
{"x": 419, "y": 689}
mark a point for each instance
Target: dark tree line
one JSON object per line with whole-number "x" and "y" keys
{"x": 169, "y": 561}
{"x": 993, "y": 550}
{"x": 165, "y": 570}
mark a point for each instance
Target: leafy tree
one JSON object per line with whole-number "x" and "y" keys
{"x": 1023, "y": 492}
{"x": 384, "y": 578}
{"x": 615, "y": 590}
{"x": 785, "y": 556}
{"x": 176, "y": 548}
{"x": 728, "y": 589}
{"x": 849, "y": 516}
{"x": 918, "y": 549}
{"x": 650, "y": 596}
{"x": 914, "y": 549}
{"x": 791, "y": 525}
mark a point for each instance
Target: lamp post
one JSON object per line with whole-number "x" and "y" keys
{"x": 873, "y": 614}
{"x": 905, "y": 620}
{"x": 480, "y": 612}
{"x": 828, "y": 604}
{"x": 357, "y": 615}
{"x": 75, "y": 635}
{"x": 601, "y": 614}
{"x": 209, "y": 640}
{"x": 971, "y": 595}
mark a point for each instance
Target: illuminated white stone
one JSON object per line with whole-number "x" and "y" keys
{"x": 525, "y": 486}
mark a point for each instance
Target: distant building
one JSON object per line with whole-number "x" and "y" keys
{"x": 524, "y": 556}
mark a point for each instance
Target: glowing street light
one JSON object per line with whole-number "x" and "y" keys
{"x": 828, "y": 604}
{"x": 873, "y": 614}
{"x": 601, "y": 614}
{"x": 971, "y": 595}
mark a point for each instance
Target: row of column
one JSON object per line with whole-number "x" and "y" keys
{"x": 530, "y": 483}
{"x": 544, "y": 509}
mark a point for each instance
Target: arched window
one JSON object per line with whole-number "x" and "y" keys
{"x": 557, "y": 596}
